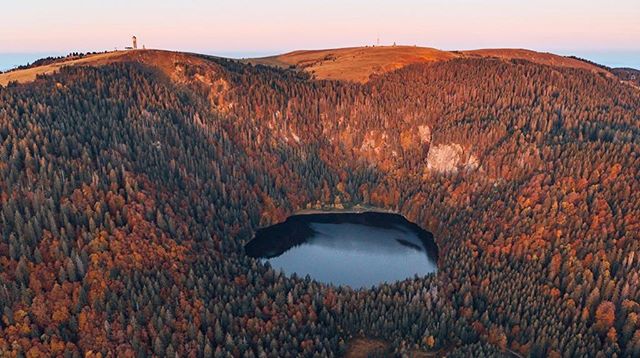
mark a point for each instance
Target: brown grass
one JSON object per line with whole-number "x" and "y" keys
{"x": 543, "y": 58}
{"x": 368, "y": 347}
{"x": 356, "y": 64}
{"x": 365, "y": 347}
{"x": 30, "y": 74}
{"x": 163, "y": 60}
{"x": 359, "y": 63}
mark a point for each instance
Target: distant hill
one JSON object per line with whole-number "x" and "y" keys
{"x": 360, "y": 63}
{"x": 160, "y": 59}
{"x": 543, "y": 58}
{"x": 355, "y": 64}
{"x": 630, "y": 75}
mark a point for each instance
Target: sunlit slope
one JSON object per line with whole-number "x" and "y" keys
{"x": 543, "y": 58}
{"x": 163, "y": 60}
{"x": 358, "y": 64}
{"x": 355, "y": 63}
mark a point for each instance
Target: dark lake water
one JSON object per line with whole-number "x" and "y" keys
{"x": 354, "y": 249}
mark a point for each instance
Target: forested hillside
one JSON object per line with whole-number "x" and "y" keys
{"x": 127, "y": 191}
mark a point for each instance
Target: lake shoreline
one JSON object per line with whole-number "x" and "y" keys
{"x": 356, "y": 209}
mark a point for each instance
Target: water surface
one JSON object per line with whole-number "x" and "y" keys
{"x": 354, "y": 249}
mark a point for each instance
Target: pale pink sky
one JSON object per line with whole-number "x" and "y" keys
{"x": 243, "y": 27}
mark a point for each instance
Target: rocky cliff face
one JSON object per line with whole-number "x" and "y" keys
{"x": 446, "y": 158}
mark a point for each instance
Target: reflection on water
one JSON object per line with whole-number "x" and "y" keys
{"x": 359, "y": 250}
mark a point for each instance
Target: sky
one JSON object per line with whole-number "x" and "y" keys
{"x": 605, "y": 32}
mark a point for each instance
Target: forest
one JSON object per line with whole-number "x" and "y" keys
{"x": 126, "y": 196}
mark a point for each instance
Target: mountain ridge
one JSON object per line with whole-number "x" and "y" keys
{"x": 358, "y": 64}
{"x": 355, "y": 64}
{"x": 161, "y": 59}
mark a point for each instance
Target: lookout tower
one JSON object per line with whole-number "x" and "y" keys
{"x": 134, "y": 41}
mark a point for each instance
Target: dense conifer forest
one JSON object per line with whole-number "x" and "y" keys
{"x": 127, "y": 194}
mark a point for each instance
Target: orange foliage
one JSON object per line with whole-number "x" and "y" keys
{"x": 605, "y": 316}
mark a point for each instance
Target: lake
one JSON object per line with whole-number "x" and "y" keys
{"x": 354, "y": 249}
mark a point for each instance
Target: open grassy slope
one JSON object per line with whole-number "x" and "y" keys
{"x": 356, "y": 64}
{"x": 359, "y": 63}
{"x": 164, "y": 60}
{"x": 543, "y": 58}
